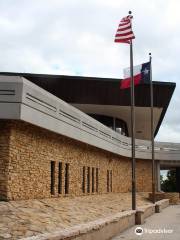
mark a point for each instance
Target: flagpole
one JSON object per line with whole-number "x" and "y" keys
{"x": 125, "y": 34}
{"x": 152, "y": 133}
{"x": 132, "y": 129}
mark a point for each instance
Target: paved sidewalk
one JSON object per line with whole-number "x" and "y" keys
{"x": 167, "y": 220}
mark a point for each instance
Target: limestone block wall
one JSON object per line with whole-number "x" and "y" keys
{"x": 37, "y": 163}
{"x": 144, "y": 175}
{"x": 4, "y": 157}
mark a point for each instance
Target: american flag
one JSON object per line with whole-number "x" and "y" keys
{"x": 124, "y": 32}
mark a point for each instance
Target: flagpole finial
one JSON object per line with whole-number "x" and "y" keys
{"x": 150, "y": 57}
{"x": 130, "y": 12}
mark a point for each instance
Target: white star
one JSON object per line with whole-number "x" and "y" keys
{"x": 146, "y": 71}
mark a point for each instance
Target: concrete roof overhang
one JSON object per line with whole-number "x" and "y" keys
{"x": 164, "y": 165}
{"x": 103, "y": 96}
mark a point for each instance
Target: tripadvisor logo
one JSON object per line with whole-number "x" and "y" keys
{"x": 138, "y": 231}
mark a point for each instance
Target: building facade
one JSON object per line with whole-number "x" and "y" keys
{"x": 49, "y": 148}
{"x": 40, "y": 164}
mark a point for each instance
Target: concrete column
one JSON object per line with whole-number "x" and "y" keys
{"x": 114, "y": 123}
{"x": 158, "y": 184}
{"x": 178, "y": 179}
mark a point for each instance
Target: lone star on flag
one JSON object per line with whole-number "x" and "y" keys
{"x": 141, "y": 75}
{"x": 146, "y": 71}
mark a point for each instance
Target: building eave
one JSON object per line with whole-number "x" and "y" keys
{"x": 102, "y": 91}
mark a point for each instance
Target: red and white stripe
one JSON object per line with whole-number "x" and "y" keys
{"x": 124, "y": 32}
{"x": 126, "y": 82}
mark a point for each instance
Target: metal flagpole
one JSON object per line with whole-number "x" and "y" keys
{"x": 152, "y": 133}
{"x": 132, "y": 129}
{"x": 125, "y": 34}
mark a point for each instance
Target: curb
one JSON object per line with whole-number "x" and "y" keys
{"x": 104, "y": 228}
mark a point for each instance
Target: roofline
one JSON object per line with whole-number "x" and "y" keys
{"x": 58, "y": 76}
{"x": 77, "y": 77}
{"x": 55, "y": 76}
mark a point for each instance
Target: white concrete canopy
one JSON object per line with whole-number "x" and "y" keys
{"x": 23, "y": 100}
{"x": 142, "y": 116}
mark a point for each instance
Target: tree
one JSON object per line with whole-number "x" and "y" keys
{"x": 161, "y": 179}
{"x": 169, "y": 184}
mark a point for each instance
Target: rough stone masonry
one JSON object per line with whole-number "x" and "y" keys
{"x": 37, "y": 163}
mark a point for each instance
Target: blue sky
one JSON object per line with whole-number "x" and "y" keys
{"x": 76, "y": 38}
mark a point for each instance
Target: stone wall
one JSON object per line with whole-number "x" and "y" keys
{"x": 174, "y": 197}
{"x": 26, "y": 155}
{"x": 4, "y": 158}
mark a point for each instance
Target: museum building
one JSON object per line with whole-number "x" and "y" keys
{"x": 70, "y": 136}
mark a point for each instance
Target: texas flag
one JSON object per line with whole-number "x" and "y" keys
{"x": 141, "y": 75}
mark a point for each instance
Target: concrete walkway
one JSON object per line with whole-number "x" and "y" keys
{"x": 164, "y": 225}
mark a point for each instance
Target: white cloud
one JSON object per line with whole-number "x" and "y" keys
{"x": 168, "y": 134}
{"x": 76, "y": 37}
